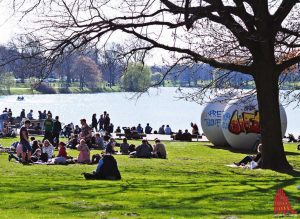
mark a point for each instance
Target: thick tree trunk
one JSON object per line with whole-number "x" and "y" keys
{"x": 273, "y": 155}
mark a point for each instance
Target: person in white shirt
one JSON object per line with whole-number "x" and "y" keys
{"x": 48, "y": 149}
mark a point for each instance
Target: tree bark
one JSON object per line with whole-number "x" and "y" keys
{"x": 273, "y": 155}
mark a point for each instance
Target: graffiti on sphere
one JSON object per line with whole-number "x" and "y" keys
{"x": 244, "y": 122}
{"x": 214, "y": 118}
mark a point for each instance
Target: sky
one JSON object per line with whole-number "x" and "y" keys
{"x": 8, "y": 25}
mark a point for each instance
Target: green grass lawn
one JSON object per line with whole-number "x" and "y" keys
{"x": 192, "y": 183}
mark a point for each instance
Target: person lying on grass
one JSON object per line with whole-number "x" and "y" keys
{"x": 256, "y": 158}
{"x": 107, "y": 168}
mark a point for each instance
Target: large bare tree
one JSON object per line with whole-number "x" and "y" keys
{"x": 256, "y": 37}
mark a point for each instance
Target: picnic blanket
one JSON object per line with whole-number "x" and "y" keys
{"x": 244, "y": 167}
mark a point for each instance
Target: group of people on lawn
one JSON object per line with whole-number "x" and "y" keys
{"x": 33, "y": 151}
{"x": 83, "y": 144}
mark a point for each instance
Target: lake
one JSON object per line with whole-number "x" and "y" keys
{"x": 157, "y": 107}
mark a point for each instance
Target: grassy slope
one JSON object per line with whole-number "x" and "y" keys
{"x": 193, "y": 183}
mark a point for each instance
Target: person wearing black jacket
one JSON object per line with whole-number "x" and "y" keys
{"x": 56, "y": 130}
{"x": 107, "y": 168}
{"x": 94, "y": 122}
{"x": 250, "y": 158}
{"x": 144, "y": 150}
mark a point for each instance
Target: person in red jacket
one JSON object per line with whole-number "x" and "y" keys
{"x": 61, "y": 158}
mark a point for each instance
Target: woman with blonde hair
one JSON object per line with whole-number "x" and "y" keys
{"x": 84, "y": 152}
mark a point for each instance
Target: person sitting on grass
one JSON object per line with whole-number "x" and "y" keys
{"x": 47, "y": 151}
{"x": 84, "y": 152}
{"x": 256, "y": 158}
{"x": 131, "y": 148}
{"x": 144, "y": 150}
{"x": 159, "y": 150}
{"x": 86, "y": 132}
{"x": 110, "y": 147}
{"x": 107, "y": 168}
{"x": 73, "y": 142}
{"x": 36, "y": 155}
{"x": 96, "y": 158}
{"x": 77, "y": 130}
{"x": 124, "y": 147}
{"x": 32, "y": 138}
{"x": 34, "y": 145}
{"x": 99, "y": 142}
{"x": 61, "y": 158}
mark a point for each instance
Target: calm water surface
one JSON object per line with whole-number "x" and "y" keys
{"x": 159, "y": 106}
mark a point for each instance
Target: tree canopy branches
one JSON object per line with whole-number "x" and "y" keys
{"x": 255, "y": 37}
{"x": 225, "y": 34}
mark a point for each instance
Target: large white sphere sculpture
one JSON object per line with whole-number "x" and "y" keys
{"x": 240, "y": 122}
{"x": 211, "y": 119}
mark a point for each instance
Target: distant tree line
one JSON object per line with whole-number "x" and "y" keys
{"x": 91, "y": 67}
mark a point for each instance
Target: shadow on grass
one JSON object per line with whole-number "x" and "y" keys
{"x": 294, "y": 173}
{"x": 186, "y": 197}
{"x": 292, "y": 153}
{"x": 231, "y": 149}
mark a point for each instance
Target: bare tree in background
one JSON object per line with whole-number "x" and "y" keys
{"x": 25, "y": 57}
{"x": 248, "y": 36}
{"x": 111, "y": 63}
{"x": 87, "y": 71}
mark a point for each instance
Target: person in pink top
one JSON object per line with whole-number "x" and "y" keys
{"x": 84, "y": 152}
